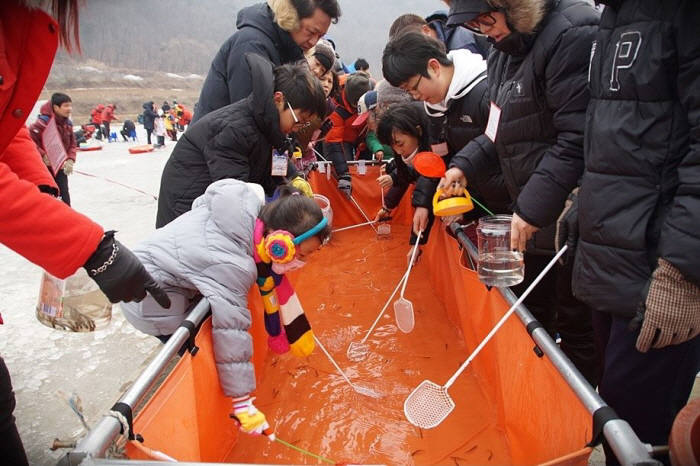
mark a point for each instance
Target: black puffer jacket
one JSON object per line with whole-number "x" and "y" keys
{"x": 235, "y": 141}
{"x": 228, "y": 80}
{"x": 149, "y": 115}
{"x": 640, "y": 193}
{"x": 540, "y": 87}
{"x": 465, "y": 120}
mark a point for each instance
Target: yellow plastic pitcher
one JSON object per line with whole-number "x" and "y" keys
{"x": 452, "y": 205}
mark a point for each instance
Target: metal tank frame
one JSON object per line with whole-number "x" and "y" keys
{"x": 627, "y": 447}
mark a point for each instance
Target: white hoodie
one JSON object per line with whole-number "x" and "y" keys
{"x": 468, "y": 69}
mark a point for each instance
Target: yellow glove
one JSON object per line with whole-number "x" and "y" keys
{"x": 68, "y": 166}
{"x": 302, "y": 185}
{"x": 250, "y": 420}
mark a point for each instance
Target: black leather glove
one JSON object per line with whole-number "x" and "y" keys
{"x": 567, "y": 228}
{"x": 120, "y": 275}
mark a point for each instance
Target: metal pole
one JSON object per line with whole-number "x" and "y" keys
{"x": 624, "y": 442}
{"x": 98, "y": 440}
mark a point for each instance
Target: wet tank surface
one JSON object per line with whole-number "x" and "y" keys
{"x": 343, "y": 288}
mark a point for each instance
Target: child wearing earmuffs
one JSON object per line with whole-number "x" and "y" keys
{"x": 230, "y": 240}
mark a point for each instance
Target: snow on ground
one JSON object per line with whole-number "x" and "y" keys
{"x": 97, "y": 366}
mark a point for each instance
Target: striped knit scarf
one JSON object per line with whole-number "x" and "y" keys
{"x": 285, "y": 321}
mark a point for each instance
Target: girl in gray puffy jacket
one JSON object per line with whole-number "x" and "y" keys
{"x": 226, "y": 243}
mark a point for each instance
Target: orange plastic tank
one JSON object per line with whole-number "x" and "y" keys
{"x": 511, "y": 406}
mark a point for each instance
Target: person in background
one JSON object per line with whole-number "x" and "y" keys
{"x": 55, "y": 127}
{"x": 128, "y": 130}
{"x": 537, "y": 86}
{"x": 321, "y": 61}
{"x": 149, "y": 117}
{"x": 96, "y": 119}
{"x": 107, "y": 117}
{"x": 636, "y": 216}
{"x": 366, "y": 117}
{"x": 170, "y": 125}
{"x": 30, "y": 38}
{"x": 237, "y": 141}
{"x": 342, "y": 140}
{"x": 237, "y": 251}
{"x": 279, "y": 30}
{"x": 434, "y": 26}
{"x": 159, "y": 129}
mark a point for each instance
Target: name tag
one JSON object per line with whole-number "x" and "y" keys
{"x": 279, "y": 164}
{"x": 492, "y": 125}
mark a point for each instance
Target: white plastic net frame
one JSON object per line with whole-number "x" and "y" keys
{"x": 403, "y": 314}
{"x": 428, "y": 405}
{"x": 357, "y": 351}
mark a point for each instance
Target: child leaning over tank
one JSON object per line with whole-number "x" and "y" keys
{"x": 230, "y": 240}
{"x": 406, "y": 128}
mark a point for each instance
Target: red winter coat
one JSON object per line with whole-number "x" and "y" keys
{"x": 108, "y": 114}
{"x": 96, "y": 114}
{"x": 64, "y": 126}
{"x": 35, "y": 225}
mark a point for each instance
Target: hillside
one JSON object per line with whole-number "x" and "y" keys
{"x": 135, "y": 51}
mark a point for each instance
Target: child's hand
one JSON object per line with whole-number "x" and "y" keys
{"x": 382, "y": 214}
{"x": 385, "y": 181}
{"x": 420, "y": 219}
{"x": 379, "y": 155}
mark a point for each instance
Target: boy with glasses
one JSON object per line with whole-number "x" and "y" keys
{"x": 453, "y": 88}
{"x": 245, "y": 140}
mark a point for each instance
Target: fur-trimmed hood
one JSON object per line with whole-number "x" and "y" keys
{"x": 523, "y": 15}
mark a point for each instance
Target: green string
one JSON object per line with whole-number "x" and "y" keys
{"x": 482, "y": 206}
{"x": 300, "y": 450}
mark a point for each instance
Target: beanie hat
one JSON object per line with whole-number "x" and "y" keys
{"x": 325, "y": 55}
{"x": 356, "y": 85}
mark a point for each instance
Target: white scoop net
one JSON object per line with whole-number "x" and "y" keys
{"x": 428, "y": 405}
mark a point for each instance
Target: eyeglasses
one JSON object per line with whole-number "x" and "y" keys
{"x": 483, "y": 20}
{"x": 294, "y": 115}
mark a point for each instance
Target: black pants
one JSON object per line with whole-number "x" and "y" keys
{"x": 553, "y": 304}
{"x": 645, "y": 389}
{"x": 148, "y": 135}
{"x": 105, "y": 124}
{"x": 11, "y": 448}
{"x": 62, "y": 182}
{"x": 339, "y": 158}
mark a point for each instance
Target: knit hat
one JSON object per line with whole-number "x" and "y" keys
{"x": 356, "y": 85}
{"x": 367, "y": 102}
{"x": 388, "y": 95}
{"x": 323, "y": 52}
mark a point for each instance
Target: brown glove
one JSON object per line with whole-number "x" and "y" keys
{"x": 672, "y": 313}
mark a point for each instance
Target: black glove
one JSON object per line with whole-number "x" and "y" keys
{"x": 120, "y": 275}
{"x": 567, "y": 227}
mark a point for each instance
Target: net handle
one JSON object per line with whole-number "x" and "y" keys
{"x": 362, "y": 212}
{"x": 386, "y": 305}
{"x": 410, "y": 264}
{"x": 318, "y": 342}
{"x": 505, "y": 316}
